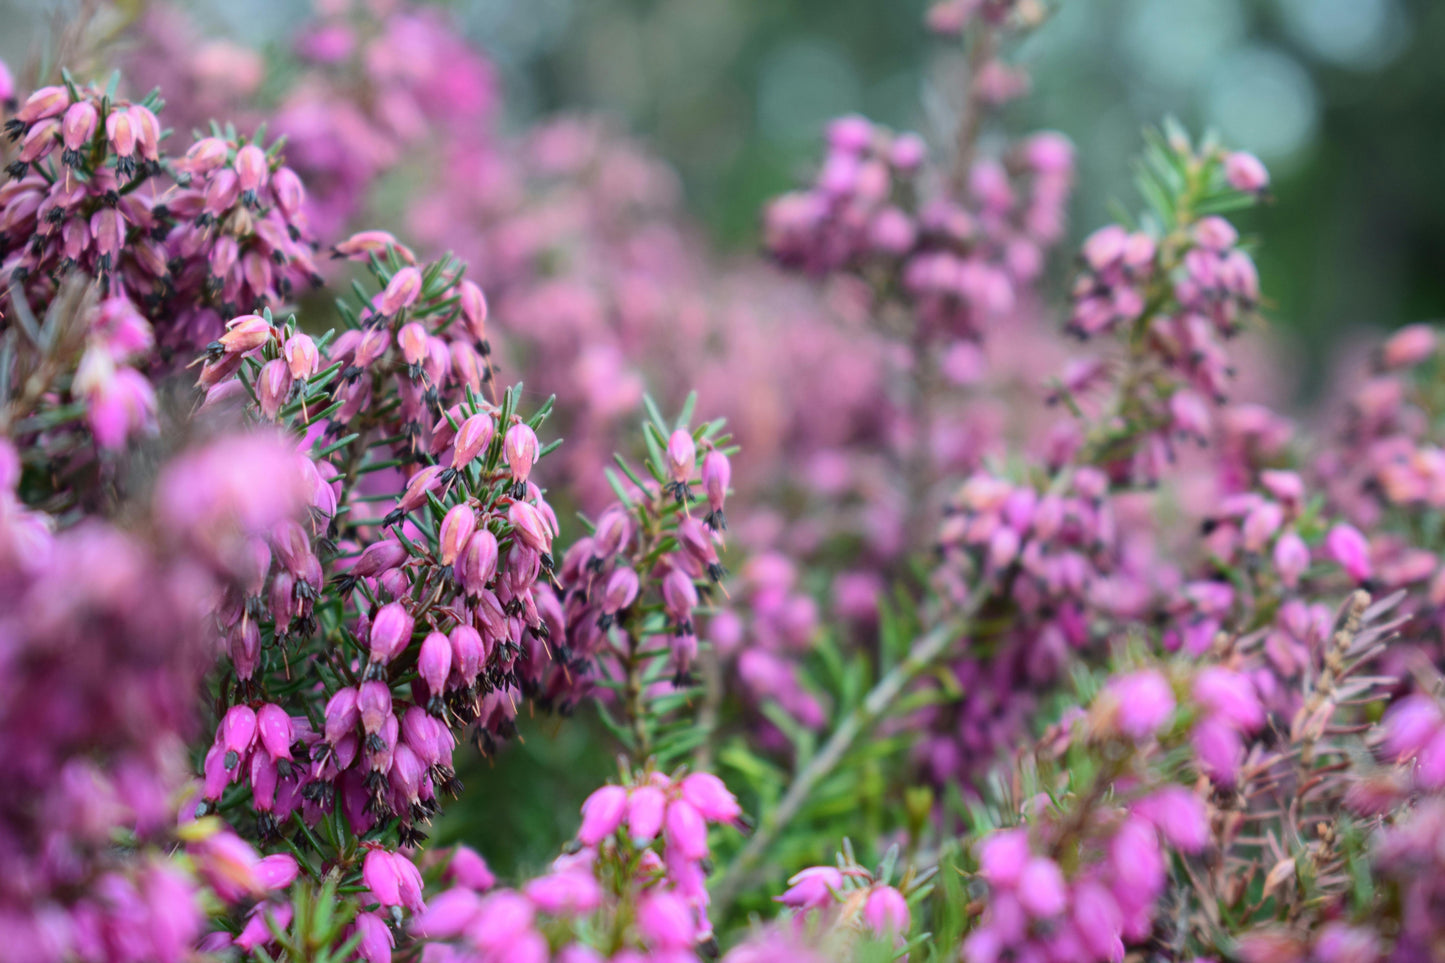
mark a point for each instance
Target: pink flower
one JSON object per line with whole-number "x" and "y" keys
{"x": 886, "y": 911}
{"x": 1041, "y": 889}
{"x": 665, "y": 920}
{"x": 813, "y": 888}
{"x": 602, "y": 814}
{"x": 1245, "y": 172}
{"x": 1145, "y": 702}
{"x": 1002, "y": 857}
{"x": 1349, "y": 548}
{"x": 645, "y": 805}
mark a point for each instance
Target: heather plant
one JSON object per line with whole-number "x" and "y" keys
{"x": 993, "y": 680}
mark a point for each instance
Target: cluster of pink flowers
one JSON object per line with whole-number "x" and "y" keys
{"x": 958, "y": 267}
{"x": 635, "y": 873}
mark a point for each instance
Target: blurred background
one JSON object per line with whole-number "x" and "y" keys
{"x": 1344, "y": 99}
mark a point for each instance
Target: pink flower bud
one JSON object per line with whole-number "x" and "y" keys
{"x": 645, "y": 806}
{"x": 252, "y": 172}
{"x": 401, "y": 291}
{"x": 1408, "y": 347}
{"x": 813, "y": 888}
{"x": 77, "y": 128}
{"x": 1002, "y": 856}
{"x": 467, "y": 868}
{"x": 1409, "y": 725}
{"x": 301, "y": 356}
{"x": 342, "y": 715}
{"x": 1042, "y": 890}
{"x": 278, "y": 871}
{"x": 478, "y": 562}
{"x": 434, "y": 662}
{"x": 276, "y": 732}
{"x": 245, "y": 333}
{"x": 379, "y": 873}
{"x": 289, "y": 192}
{"x": 412, "y": 339}
{"x": 205, "y": 155}
{"x": 1098, "y": 921}
{"x": 238, "y": 730}
{"x": 360, "y": 246}
{"x": 665, "y": 921}
{"x": 602, "y": 814}
{"x": 885, "y": 912}
{"x": 681, "y": 456}
{"x": 1178, "y": 814}
{"x": 474, "y": 309}
{"x": 373, "y": 703}
{"x": 1219, "y": 749}
{"x": 1144, "y": 701}
{"x": 121, "y": 131}
{"x": 716, "y": 477}
{"x": 1291, "y": 558}
{"x": 449, "y": 915}
{"x": 468, "y": 652}
{"x": 710, "y": 797}
{"x": 1245, "y": 173}
{"x": 376, "y": 942}
{"x": 45, "y": 102}
{"x": 422, "y": 483}
{"x": 457, "y": 527}
{"x": 614, "y": 533}
{"x": 1260, "y": 525}
{"x": 621, "y": 590}
{"x": 273, "y": 386}
{"x": 685, "y": 830}
{"x": 390, "y": 633}
{"x": 473, "y": 437}
{"x": 679, "y": 595}
{"x": 1350, "y": 550}
{"x": 379, "y": 557}
{"x": 520, "y": 448}
{"x": 1231, "y": 696}
{"x": 530, "y": 526}
{"x": 570, "y": 892}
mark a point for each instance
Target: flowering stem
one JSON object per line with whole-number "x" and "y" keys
{"x": 970, "y": 119}
{"x": 924, "y": 654}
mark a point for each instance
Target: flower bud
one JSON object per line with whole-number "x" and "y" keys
{"x": 1408, "y": 347}
{"x": 373, "y": 703}
{"x": 473, "y": 303}
{"x": 245, "y": 333}
{"x": 205, "y": 155}
{"x": 1291, "y": 558}
{"x": 685, "y": 830}
{"x": 434, "y": 662}
{"x": 401, "y": 291}
{"x": 342, "y": 715}
{"x": 1042, "y": 889}
{"x": 681, "y": 457}
{"x": 273, "y": 385}
{"x": 602, "y": 814}
{"x": 238, "y": 730}
{"x": 478, "y": 562}
{"x": 717, "y": 475}
{"x": 1350, "y": 550}
{"x": 813, "y": 888}
{"x": 886, "y": 912}
{"x": 417, "y": 489}
{"x": 621, "y": 590}
{"x": 1245, "y": 172}
{"x": 468, "y": 652}
{"x": 666, "y": 922}
{"x": 252, "y": 172}
{"x": 276, "y": 731}
{"x": 456, "y": 528}
{"x": 473, "y": 437}
{"x": 45, "y": 102}
{"x": 530, "y": 527}
{"x": 520, "y": 448}
{"x": 412, "y": 339}
{"x": 77, "y": 129}
{"x": 645, "y": 805}
{"x": 390, "y": 632}
{"x": 301, "y": 356}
